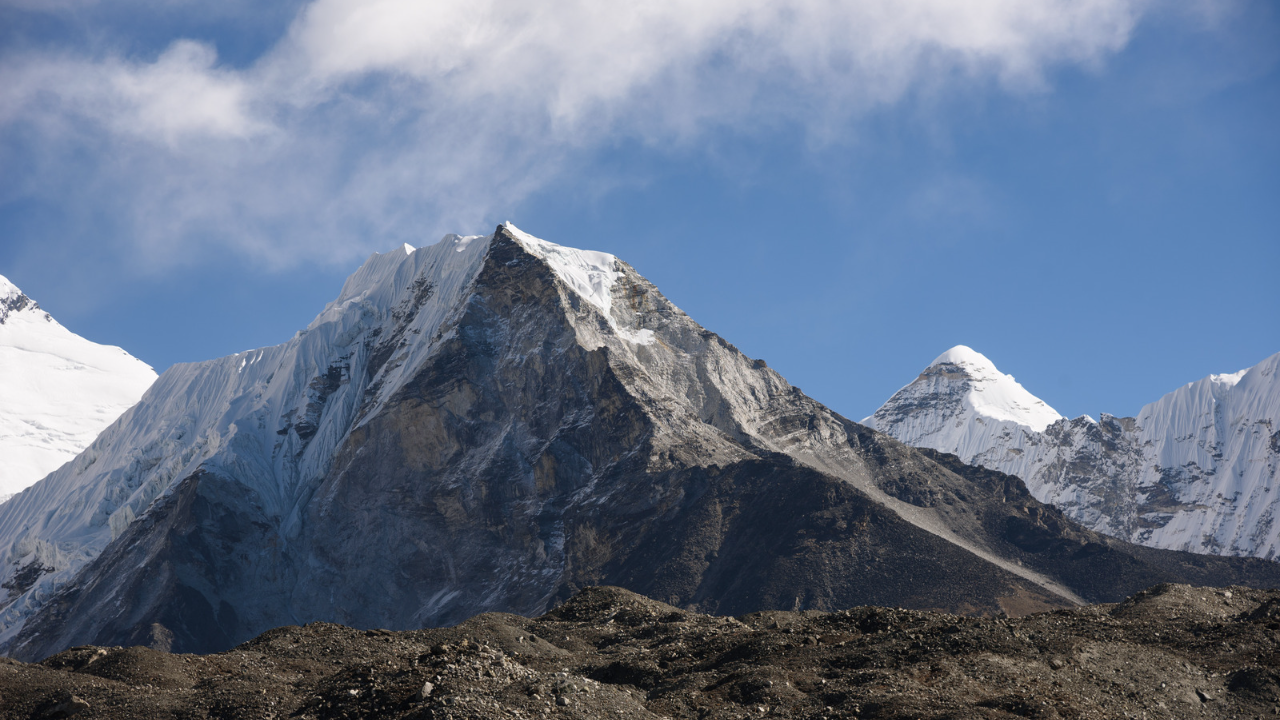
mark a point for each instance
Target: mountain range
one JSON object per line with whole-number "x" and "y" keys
{"x": 57, "y": 390}
{"x": 1196, "y": 470}
{"x": 492, "y": 423}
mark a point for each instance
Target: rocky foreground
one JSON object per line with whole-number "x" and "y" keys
{"x": 1173, "y": 651}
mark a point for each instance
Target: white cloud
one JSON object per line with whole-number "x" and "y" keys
{"x": 575, "y": 59}
{"x": 179, "y": 95}
{"x": 373, "y": 120}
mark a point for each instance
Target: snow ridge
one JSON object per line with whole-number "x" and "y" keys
{"x": 270, "y": 417}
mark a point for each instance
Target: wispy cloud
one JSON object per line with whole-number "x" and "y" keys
{"x": 181, "y": 95}
{"x": 373, "y": 120}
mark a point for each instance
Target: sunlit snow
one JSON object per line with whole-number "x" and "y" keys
{"x": 57, "y": 391}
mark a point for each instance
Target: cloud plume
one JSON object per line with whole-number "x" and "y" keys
{"x": 370, "y": 121}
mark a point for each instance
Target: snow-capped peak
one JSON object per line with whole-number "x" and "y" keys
{"x": 590, "y": 273}
{"x": 13, "y": 300}
{"x": 995, "y": 395}
{"x": 962, "y": 404}
{"x": 964, "y": 355}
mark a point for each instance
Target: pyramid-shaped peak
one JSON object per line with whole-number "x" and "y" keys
{"x": 993, "y": 394}
{"x": 932, "y": 404}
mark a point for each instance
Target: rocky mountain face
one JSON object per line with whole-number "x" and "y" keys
{"x": 1173, "y": 652}
{"x": 490, "y": 424}
{"x": 57, "y": 390}
{"x": 1194, "y": 471}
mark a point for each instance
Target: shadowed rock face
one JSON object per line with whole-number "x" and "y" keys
{"x": 536, "y": 452}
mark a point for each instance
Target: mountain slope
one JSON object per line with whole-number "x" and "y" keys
{"x": 491, "y": 424}
{"x": 1195, "y": 471}
{"x": 57, "y": 390}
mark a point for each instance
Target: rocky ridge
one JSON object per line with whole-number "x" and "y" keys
{"x": 1173, "y": 651}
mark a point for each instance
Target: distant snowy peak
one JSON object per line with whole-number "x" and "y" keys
{"x": 993, "y": 394}
{"x": 961, "y": 401}
{"x": 1196, "y": 470}
{"x": 57, "y": 390}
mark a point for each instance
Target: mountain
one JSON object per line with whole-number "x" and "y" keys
{"x": 1195, "y": 471}
{"x": 57, "y": 390}
{"x": 490, "y": 424}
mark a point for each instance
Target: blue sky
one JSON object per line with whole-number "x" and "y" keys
{"x": 1087, "y": 192}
